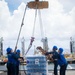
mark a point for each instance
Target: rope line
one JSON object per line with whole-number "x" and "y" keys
{"x": 41, "y": 25}
{"x": 34, "y": 21}
{"x": 20, "y": 28}
{"x": 32, "y": 38}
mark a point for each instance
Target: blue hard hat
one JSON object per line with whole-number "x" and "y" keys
{"x": 55, "y": 48}
{"x": 18, "y": 51}
{"x": 8, "y": 49}
{"x": 61, "y": 50}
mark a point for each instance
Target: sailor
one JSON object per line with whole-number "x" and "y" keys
{"x": 18, "y": 61}
{"x": 11, "y": 62}
{"x": 55, "y": 57}
{"x": 62, "y": 62}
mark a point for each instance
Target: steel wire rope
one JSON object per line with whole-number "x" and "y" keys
{"x": 34, "y": 22}
{"x": 32, "y": 31}
{"x": 42, "y": 28}
{"x": 41, "y": 25}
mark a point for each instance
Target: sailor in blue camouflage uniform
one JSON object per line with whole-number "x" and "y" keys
{"x": 11, "y": 63}
{"x": 55, "y": 57}
{"x": 18, "y": 61}
{"x": 62, "y": 62}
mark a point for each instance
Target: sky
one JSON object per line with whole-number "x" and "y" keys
{"x": 58, "y": 23}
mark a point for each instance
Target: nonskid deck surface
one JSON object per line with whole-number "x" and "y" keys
{"x": 68, "y": 72}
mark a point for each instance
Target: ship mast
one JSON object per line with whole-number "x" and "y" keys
{"x": 72, "y": 45}
{"x": 1, "y": 46}
{"x": 23, "y": 46}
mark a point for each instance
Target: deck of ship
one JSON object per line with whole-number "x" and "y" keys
{"x": 70, "y": 69}
{"x": 68, "y": 72}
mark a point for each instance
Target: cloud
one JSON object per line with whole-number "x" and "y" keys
{"x": 59, "y": 22}
{"x": 67, "y": 4}
{"x": 57, "y": 25}
{"x": 4, "y": 18}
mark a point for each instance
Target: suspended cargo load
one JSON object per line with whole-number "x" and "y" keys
{"x": 38, "y": 4}
{"x": 37, "y": 65}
